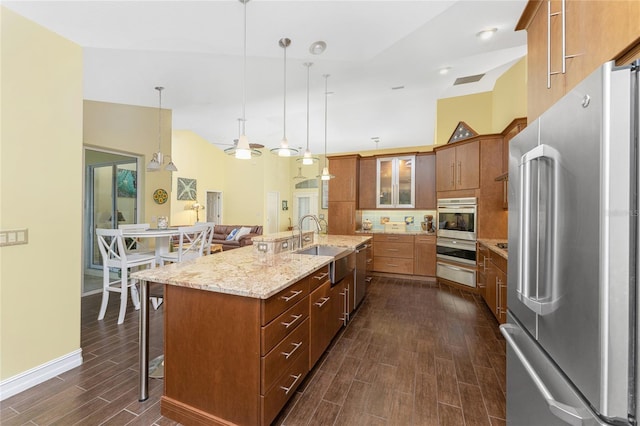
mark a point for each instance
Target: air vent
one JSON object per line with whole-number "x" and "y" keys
{"x": 468, "y": 79}
{"x": 397, "y": 88}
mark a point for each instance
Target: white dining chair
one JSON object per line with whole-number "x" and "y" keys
{"x": 115, "y": 256}
{"x": 206, "y": 249}
{"x": 133, "y": 244}
{"x": 191, "y": 240}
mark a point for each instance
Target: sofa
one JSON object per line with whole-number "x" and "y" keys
{"x": 221, "y": 234}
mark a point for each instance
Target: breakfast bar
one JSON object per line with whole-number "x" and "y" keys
{"x": 239, "y": 330}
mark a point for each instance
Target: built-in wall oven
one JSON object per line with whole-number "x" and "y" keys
{"x": 456, "y": 240}
{"x": 457, "y": 218}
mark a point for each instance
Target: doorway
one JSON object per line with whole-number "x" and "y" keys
{"x": 214, "y": 207}
{"x": 111, "y": 199}
{"x": 304, "y": 203}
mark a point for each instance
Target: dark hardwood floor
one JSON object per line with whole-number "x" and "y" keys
{"x": 415, "y": 353}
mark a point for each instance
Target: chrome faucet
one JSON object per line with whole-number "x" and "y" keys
{"x": 310, "y": 216}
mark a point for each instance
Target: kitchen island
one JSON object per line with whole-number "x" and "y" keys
{"x": 239, "y": 327}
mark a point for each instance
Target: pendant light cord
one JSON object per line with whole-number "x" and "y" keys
{"x": 244, "y": 67}
{"x": 308, "y": 65}
{"x": 284, "y": 115}
{"x": 326, "y": 93}
{"x": 159, "y": 89}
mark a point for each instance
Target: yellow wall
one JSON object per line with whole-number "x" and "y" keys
{"x": 133, "y": 130}
{"x": 510, "y": 96}
{"x": 41, "y": 188}
{"x": 488, "y": 112}
{"x": 475, "y": 110}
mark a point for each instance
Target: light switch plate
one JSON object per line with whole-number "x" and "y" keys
{"x": 13, "y": 237}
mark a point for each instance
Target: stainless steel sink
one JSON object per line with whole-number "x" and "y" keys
{"x": 343, "y": 263}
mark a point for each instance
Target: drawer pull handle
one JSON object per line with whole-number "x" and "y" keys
{"x": 392, "y": 249}
{"x": 321, "y": 304}
{"x": 286, "y": 390}
{"x": 289, "y": 324}
{"x": 368, "y": 279}
{"x": 369, "y": 260}
{"x": 321, "y": 276}
{"x": 294, "y": 294}
{"x": 391, "y": 264}
{"x": 288, "y": 354}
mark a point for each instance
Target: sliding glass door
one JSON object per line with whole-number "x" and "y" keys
{"x": 111, "y": 194}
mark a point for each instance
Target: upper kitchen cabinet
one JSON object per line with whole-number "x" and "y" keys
{"x": 567, "y": 40}
{"x": 396, "y": 182}
{"x": 367, "y": 183}
{"x": 426, "y": 181}
{"x": 344, "y": 187}
{"x": 458, "y": 166}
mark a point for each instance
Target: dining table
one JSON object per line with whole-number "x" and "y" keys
{"x": 162, "y": 245}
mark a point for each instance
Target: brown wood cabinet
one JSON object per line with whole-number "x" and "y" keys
{"x": 367, "y": 184}
{"x": 491, "y": 218}
{"x": 492, "y": 272}
{"x": 238, "y": 360}
{"x": 343, "y": 194}
{"x": 426, "y": 181}
{"x": 393, "y": 253}
{"x": 595, "y": 32}
{"x": 458, "y": 166}
{"x": 482, "y": 259}
{"x": 344, "y": 186}
{"x": 425, "y": 255}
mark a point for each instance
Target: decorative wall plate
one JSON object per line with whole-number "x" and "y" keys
{"x": 160, "y": 196}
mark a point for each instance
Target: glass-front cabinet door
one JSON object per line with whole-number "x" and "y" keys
{"x": 396, "y": 182}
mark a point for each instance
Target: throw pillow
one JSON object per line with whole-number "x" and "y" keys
{"x": 243, "y": 231}
{"x": 232, "y": 234}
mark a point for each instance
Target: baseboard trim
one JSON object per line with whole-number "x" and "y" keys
{"x": 23, "y": 381}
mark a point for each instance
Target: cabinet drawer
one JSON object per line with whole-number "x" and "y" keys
{"x": 499, "y": 261}
{"x": 425, "y": 239}
{"x": 393, "y": 265}
{"x": 277, "y": 329}
{"x": 283, "y": 355}
{"x": 280, "y": 302}
{"x": 389, "y": 249}
{"x": 393, "y": 238}
{"x": 318, "y": 278}
{"x": 284, "y": 388}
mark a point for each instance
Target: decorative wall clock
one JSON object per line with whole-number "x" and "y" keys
{"x": 160, "y": 196}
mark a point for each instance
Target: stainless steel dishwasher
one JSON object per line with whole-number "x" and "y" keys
{"x": 360, "y": 274}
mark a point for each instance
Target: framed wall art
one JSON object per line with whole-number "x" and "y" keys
{"x": 187, "y": 189}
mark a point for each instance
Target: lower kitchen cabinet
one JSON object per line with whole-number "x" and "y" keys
{"x": 425, "y": 255}
{"x": 238, "y": 360}
{"x": 393, "y": 253}
{"x": 492, "y": 275}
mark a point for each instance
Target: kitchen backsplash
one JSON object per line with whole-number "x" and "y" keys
{"x": 411, "y": 217}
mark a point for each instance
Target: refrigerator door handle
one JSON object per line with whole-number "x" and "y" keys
{"x": 571, "y": 415}
{"x": 528, "y": 292}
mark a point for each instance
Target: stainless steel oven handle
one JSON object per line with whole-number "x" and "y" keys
{"x": 572, "y": 415}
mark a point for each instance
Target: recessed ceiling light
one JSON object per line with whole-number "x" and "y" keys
{"x": 444, "y": 70}
{"x": 317, "y": 47}
{"x": 486, "y": 34}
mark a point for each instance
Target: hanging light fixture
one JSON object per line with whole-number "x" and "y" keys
{"x": 243, "y": 149}
{"x": 253, "y": 147}
{"x": 299, "y": 176}
{"x": 158, "y": 158}
{"x": 283, "y": 150}
{"x": 308, "y": 159}
{"x": 325, "y": 170}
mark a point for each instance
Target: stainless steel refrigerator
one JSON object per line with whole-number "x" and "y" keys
{"x": 572, "y": 327}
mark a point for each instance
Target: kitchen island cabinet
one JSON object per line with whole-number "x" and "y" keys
{"x": 237, "y": 333}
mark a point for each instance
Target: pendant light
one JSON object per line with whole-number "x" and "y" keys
{"x": 283, "y": 150}
{"x": 299, "y": 176}
{"x": 325, "y": 170}
{"x": 252, "y": 146}
{"x": 158, "y": 158}
{"x": 243, "y": 149}
{"x": 307, "y": 159}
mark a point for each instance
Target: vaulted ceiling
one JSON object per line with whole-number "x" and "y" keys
{"x": 383, "y": 58}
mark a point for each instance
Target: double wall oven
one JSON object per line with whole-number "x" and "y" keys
{"x": 456, "y": 240}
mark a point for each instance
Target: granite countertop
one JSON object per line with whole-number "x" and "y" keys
{"x": 382, "y": 231}
{"x": 246, "y": 272}
{"x": 491, "y": 245}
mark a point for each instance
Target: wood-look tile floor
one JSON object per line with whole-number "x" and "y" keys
{"x": 414, "y": 353}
